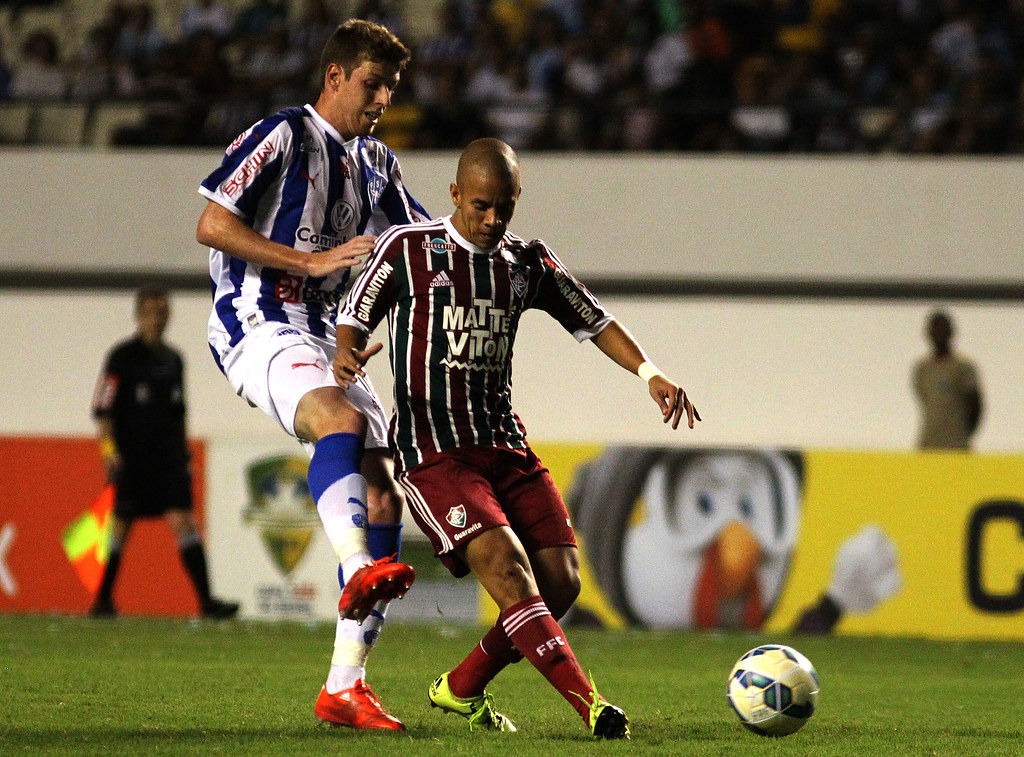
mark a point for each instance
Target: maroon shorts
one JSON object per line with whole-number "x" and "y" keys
{"x": 463, "y": 492}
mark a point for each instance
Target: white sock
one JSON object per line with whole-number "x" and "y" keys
{"x": 342, "y": 509}
{"x": 354, "y": 563}
{"x": 352, "y": 645}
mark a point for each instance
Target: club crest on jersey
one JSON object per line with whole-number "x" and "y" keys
{"x": 375, "y": 184}
{"x": 439, "y": 244}
{"x": 457, "y": 516}
{"x": 519, "y": 282}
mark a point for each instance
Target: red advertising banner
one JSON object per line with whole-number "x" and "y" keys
{"x": 50, "y": 491}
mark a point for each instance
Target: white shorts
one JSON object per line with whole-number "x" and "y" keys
{"x": 247, "y": 366}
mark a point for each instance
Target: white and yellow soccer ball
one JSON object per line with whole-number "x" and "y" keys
{"x": 773, "y": 689}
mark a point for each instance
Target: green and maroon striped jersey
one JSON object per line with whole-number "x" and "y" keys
{"x": 453, "y": 311}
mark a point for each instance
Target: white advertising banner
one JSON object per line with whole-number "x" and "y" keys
{"x": 268, "y": 550}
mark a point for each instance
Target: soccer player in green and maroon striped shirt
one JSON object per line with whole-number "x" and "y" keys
{"x": 453, "y": 291}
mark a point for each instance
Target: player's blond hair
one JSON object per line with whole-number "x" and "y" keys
{"x": 357, "y": 41}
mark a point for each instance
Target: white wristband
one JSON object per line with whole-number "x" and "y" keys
{"x": 648, "y": 370}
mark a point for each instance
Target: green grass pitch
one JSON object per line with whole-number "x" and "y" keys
{"x": 153, "y": 686}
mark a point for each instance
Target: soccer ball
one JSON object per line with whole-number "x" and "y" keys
{"x": 773, "y": 689}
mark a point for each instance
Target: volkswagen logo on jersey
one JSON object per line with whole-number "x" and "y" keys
{"x": 341, "y": 215}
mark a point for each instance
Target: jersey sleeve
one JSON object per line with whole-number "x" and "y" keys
{"x": 251, "y": 164}
{"x": 396, "y": 205}
{"x": 105, "y": 394}
{"x": 373, "y": 291}
{"x": 562, "y": 296}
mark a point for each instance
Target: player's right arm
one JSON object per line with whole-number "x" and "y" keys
{"x": 352, "y": 354}
{"x": 221, "y": 229}
{"x": 368, "y": 300}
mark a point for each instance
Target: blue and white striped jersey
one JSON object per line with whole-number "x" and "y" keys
{"x": 293, "y": 180}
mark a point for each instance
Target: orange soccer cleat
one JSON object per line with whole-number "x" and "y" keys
{"x": 357, "y": 707}
{"x": 382, "y": 580}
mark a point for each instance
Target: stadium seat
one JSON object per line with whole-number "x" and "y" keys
{"x": 59, "y": 124}
{"x": 874, "y": 123}
{"x": 108, "y": 117}
{"x": 15, "y": 119}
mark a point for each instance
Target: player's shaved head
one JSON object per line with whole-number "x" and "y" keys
{"x": 485, "y": 191}
{"x": 490, "y": 157}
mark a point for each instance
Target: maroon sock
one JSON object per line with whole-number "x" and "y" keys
{"x": 539, "y": 638}
{"x": 487, "y": 659}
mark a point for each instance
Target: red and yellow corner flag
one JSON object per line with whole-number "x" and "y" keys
{"x": 86, "y": 540}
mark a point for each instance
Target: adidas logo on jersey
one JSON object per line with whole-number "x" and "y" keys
{"x": 441, "y": 280}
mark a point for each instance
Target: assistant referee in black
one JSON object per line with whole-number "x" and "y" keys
{"x": 139, "y": 408}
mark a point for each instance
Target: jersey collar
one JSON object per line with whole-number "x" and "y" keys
{"x": 462, "y": 241}
{"x": 324, "y": 124}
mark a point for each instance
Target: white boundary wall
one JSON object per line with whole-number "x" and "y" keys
{"x": 762, "y": 373}
{"x": 772, "y": 372}
{"x": 858, "y": 218}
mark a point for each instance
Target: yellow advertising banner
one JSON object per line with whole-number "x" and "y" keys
{"x": 955, "y": 522}
{"x": 921, "y": 544}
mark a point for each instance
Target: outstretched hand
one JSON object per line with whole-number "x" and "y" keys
{"x": 673, "y": 401}
{"x": 348, "y": 363}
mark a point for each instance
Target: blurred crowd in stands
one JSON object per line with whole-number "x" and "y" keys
{"x": 808, "y": 76}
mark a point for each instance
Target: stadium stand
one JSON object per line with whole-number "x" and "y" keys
{"x": 15, "y": 120}
{"x": 806, "y": 76}
{"x": 59, "y": 123}
{"x": 108, "y": 119}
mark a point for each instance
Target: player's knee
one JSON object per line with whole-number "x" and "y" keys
{"x": 507, "y": 581}
{"x": 325, "y": 411}
{"x": 573, "y": 586}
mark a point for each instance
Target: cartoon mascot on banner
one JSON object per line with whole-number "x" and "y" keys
{"x": 702, "y": 539}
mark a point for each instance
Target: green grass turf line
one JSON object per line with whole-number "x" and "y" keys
{"x": 163, "y": 687}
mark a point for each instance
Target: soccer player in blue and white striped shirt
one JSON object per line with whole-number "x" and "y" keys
{"x": 295, "y": 205}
